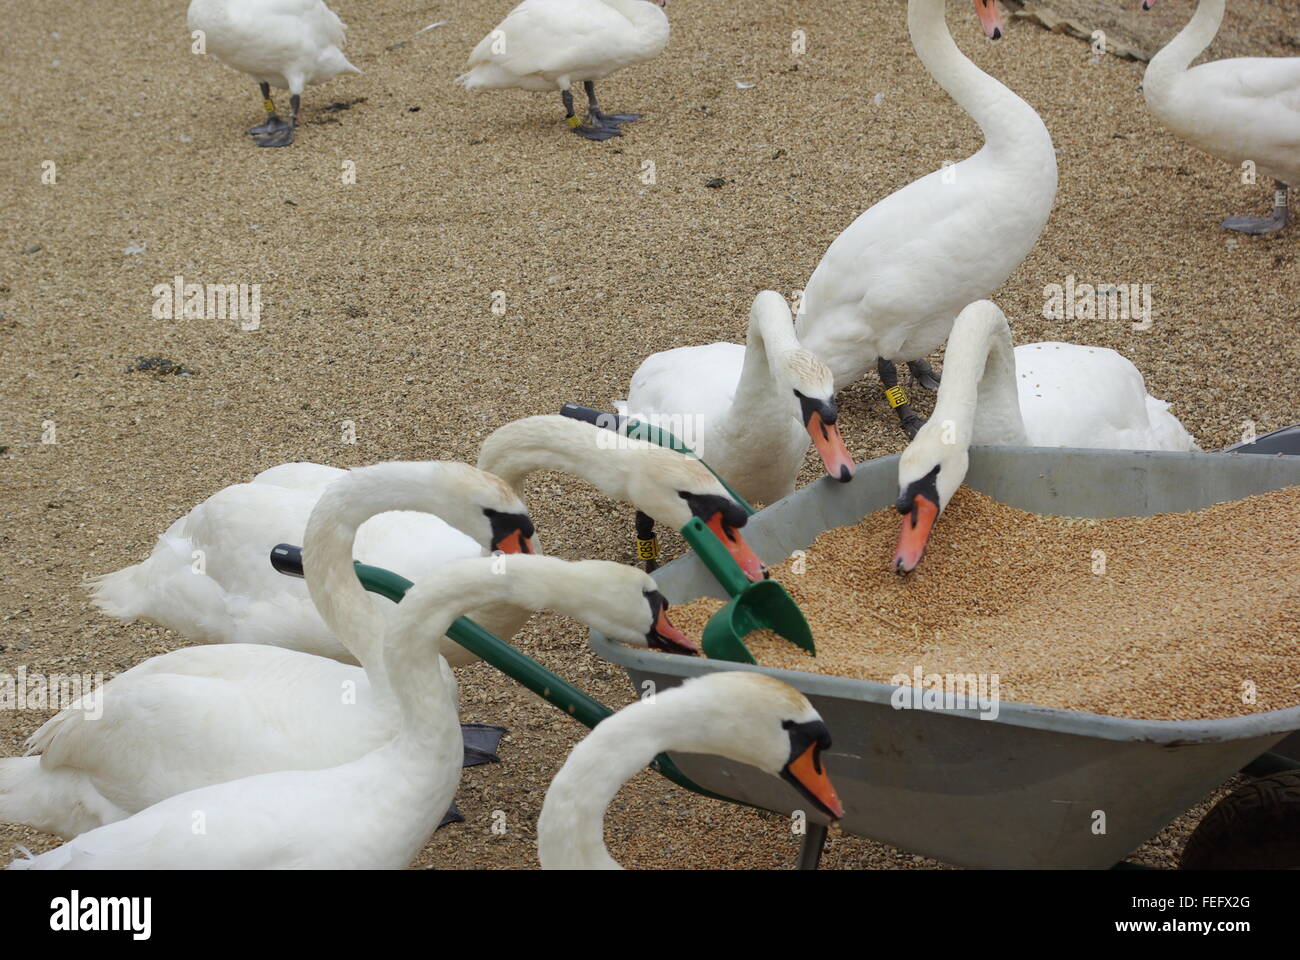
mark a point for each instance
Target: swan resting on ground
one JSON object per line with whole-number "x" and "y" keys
{"x": 552, "y": 44}
{"x": 744, "y": 716}
{"x": 1039, "y": 395}
{"x": 1245, "y": 110}
{"x": 286, "y": 44}
{"x": 376, "y": 811}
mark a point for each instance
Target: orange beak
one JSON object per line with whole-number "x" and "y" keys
{"x": 830, "y": 446}
{"x": 807, "y": 773}
{"x": 669, "y": 638}
{"x": 515, "y": 542}
{"x": 917, "y": 524}
{"x": 740, "y": 551}
{"x": 990, "y": 19}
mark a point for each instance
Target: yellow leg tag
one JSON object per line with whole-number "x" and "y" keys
{"x": 268, "y": 105}
{"x": 574, "y": 121}
{"x": 647, "y": 549}
{"x": 896, "y": 396}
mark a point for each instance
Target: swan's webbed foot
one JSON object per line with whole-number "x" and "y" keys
{"x": 276, "y": 132}
{"x": 481, "y": 742}
{"x": 924, "y": 374}
{"x": 453, "y": 815}
{"x": 608, "y": 119}
{"x": 601, "y": 118}
{"x": 1260, "y": 226}
{"x": 591, "y": 128}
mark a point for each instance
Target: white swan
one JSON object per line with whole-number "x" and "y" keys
{"x": 208, "y": 714}
{"x": 747, "y": 717}
{"x": 1039, "y": 395}
{"x": 378, "y": 810}
{"x": 890, "y": 285}
{"x": 667, "y": 486}
{"x": 754, "y": 407}
{"x": 1245, "y": 110}
{"x": 552, "y": 44}
{"x": 209, "y": 579}
{"x": 286, "y": 44}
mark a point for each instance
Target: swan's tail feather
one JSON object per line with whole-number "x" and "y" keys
{"x": 61, "y": 802}
{"x": 1169, "y": 433}
{"x": 118, "y": 593}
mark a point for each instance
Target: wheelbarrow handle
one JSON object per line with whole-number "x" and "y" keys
{"x": 287, "y": 559}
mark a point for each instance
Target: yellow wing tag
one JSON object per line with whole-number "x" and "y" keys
{"x": 647, "y": 549}
{"x": 896, "y": 396}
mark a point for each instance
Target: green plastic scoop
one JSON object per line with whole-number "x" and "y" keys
{"x": 764, "y": 605}
{"x": 753, "y": 606}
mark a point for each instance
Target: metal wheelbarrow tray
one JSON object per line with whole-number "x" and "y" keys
{"x": 1030, "y": 788}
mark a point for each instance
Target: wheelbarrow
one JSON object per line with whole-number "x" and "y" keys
{"x": 1037, "y": 787}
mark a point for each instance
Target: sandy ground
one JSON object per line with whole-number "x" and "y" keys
{"x": 377, "y": 295}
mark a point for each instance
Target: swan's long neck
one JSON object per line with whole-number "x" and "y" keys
{"x": 1011, "y": 126}
{"x": 523, "y": 447}
{"x": 762, "y": 401}
{"x": 978, "y": 394}
{"x": 345, "y": 606}
{"x": 1167, "y": 65}
{"x": 571, "y": 829}
{"x": 411, "y": 655}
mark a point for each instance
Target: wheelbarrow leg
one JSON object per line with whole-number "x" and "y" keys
{"x": 810, "y": 852}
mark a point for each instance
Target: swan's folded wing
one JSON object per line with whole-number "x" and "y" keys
{"x": 686, "y": 381}
{"x": 541, "y": 36}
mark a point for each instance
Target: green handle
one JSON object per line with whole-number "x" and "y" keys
{"x": 524, "y": 670}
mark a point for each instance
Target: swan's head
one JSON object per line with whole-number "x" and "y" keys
{"x": 812, "y": 384}
{"x": 756, "y": 719}
{"x": 672, "y": 488}
{"x": 621, "y": 602}
{"x": 990, "y": 18}
{"x": 929, "y": 472}
{"x": 496, "y": 510}
{"x": 1148, "y": 4}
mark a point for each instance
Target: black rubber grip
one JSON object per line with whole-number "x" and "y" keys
{"x": 287, "y": 559}
{"x": 597, "y": 418}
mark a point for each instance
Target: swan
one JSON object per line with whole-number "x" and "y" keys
{"x": 754, "y": 407}
{"x": 1245, "y": 110}
{"x": 375, "y": 811}
{"x": 552, "y": 44}
{"x": 209, "y": 577}
{"x": 890, "y": 285}
{"x": 286, "y": 44}
{"x": 208, "y": 714}
{"x": 666, "y": 486}
{"x": 744, "y": 716}
{"x": 1037, "y": 395}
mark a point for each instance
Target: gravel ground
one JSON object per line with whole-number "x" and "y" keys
{"x": 377, "y": 296}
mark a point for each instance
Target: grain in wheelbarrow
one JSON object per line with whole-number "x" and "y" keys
{"x": 1172, "y": 617}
